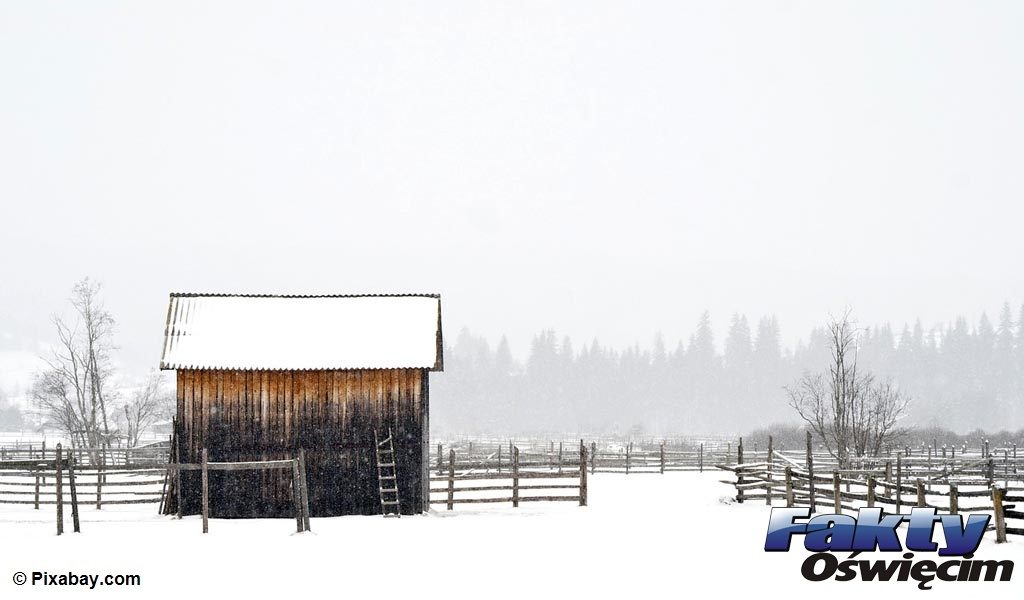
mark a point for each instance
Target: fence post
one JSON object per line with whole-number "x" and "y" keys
{"x": 954, "y": 499}
{"x": 551, "y": 452}
{"x": 771, "y": 477}
{"x": 593, "y": 457}
{"x": 499, "y": 458}
{"x": 700, "y": 463}
{"x": 74, "y": 494}
{"x": 990, "y": 475}
{"x": 451, "y": 479}
{"x": 177, "y": 487}
{"x": 305, "y": 489}
{"x": 37, "y": 490}
{"x": 871, "y": 491}
{"x": 837, "y": 498}
{"x": 60, "y": 492}
{"x": 629, "y": 447}
{"x": 739, "y": 472}
{"x": 899, "y": 482}
{"x": 206, "y": 494}
{"x": 662, "y": 457}
{"x": 296, "y": 495}
{"x": 515, "y": 477}
{"x": 997, "y": 504}
{"x": 920, "y": 493}
{"x": 1006, "y": 468}
{"x": 789, "y": 487}
{"x": 583, "y": 474}
{"x": 440, "y": 460}
{"x": 559, "y": 456}
{"x": 99, "y": 480}
{"x": 888, "y": 478}
{"x": 810, "y": 473}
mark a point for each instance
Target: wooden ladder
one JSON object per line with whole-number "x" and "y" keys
{"x": 387, "y": 475}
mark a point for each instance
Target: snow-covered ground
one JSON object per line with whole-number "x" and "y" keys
{"x": 667, "y": 536}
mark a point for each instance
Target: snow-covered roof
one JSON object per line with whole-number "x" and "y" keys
{"x": 263, "y": 332}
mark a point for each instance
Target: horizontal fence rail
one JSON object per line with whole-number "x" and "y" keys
{"x": 986, "y": 482}
{"x": 516, "y": 480}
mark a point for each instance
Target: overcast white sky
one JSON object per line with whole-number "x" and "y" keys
{"x": 608, "y": 169}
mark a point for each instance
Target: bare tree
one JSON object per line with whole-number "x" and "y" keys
{"x": 146, "y": 406}
{"x": 848, "y": 409}
{"x": 74, "y": 390}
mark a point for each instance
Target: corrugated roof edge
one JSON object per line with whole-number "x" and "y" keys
{"x": 438, "y": 363}
{"x": 231, "y": 295}
{"x": 166, "y": 367}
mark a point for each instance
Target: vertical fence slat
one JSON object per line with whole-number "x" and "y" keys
{"x": 296, "y": 495}
{"x": 515, "y": 477}
{"x": 60, "y": 492}
{"x": 810, "y": 473}
{"x": 583, "y": 474}
{"x": 451, "y": 479}
{"x": 837, "y": 494}
{"x": 304, "y": 487}
{"x": 788, "y": 486}
{"x": 75, "y": 524}
{"x": 997, "y": 504}
{"x": 739, "y": 472}
{"x": 206, "y": 494}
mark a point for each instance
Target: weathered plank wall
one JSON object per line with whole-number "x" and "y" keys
{"x": 267, "y": 415}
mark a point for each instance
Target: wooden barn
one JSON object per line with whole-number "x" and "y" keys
{"x": 259, "y": 377}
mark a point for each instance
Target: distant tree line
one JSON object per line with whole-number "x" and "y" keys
{"x": 961, "y": 376}
{"x": 11, "y": 416}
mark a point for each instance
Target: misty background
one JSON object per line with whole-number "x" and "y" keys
{"x": 601, "y": 170}
{"x": 961, "y": 376}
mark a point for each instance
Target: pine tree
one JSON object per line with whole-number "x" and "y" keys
{"x": 738, "y": 346}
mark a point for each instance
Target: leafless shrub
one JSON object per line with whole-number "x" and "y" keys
{"x": 852, "y": 412}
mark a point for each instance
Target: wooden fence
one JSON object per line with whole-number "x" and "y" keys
{"x": 154, "y": 455}
{"x": 516, "y": 479}
{"x": 297, "y": 467}
{"x": 56, "y": 468}
{"x": 986, "y": 483}
{"x": 602, "y": 457}
{"x": 33, "y": 481}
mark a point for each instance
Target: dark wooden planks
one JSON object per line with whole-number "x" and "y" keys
{"x": 269, "y": 415}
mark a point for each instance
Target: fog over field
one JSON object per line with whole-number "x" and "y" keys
{"x": 601, "y": 171}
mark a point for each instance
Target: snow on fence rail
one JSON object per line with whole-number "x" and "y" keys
{"x": 604, "y": 458}
{"x": 965, "y": 485}
{"x": 517, "y": 480}
{"x": 103, "y": 476}
{"x": 297, "y": 466}
{"x": 152, "y": 455}
{"x": 39, "y": 468}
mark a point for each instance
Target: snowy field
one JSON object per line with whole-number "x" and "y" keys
{"x": 674, "y": 536}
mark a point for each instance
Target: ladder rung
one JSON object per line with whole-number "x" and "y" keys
{"x": 382, "y": 465}
{"x": 389, "y": 501}
{"x": 388, "y": 477}
{"x": 389, "y": 490}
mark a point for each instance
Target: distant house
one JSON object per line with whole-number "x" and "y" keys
{"x": 259, "y": 377}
